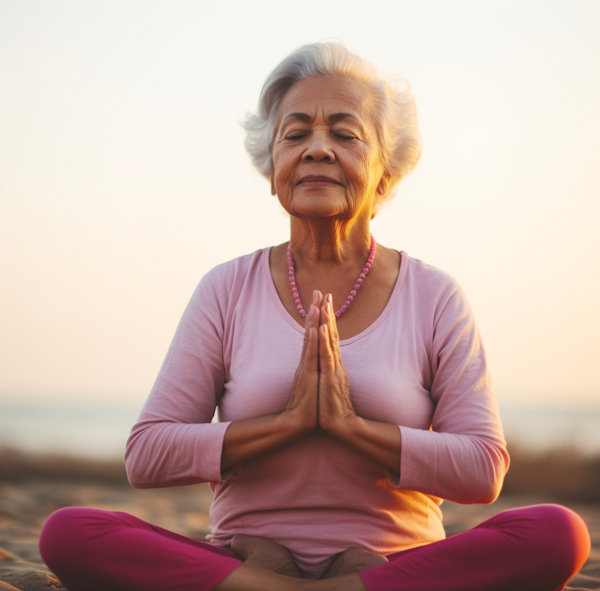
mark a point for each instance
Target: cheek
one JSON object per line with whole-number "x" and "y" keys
{"x": 282, "y": 166}
{"x": 359, "y": 170}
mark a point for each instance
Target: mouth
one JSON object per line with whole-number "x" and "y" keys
{"x": 317, "y": 181}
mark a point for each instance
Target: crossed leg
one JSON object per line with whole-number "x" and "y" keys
{"x": 531, "y": 549}
{"x": 94, "y": 550}
{"x": 535, "y": 548}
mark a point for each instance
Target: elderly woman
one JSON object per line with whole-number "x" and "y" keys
{"x": 352, "y": 389}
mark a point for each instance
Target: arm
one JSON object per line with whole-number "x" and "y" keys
{"x": 463, "y": 458}
{"x": 377, "y": 440}
{"x": 248, "y": 439}
{"x": 381, "y": 442}
{"x": 174, "y": 442}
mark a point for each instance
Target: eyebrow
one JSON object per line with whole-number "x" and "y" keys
{"x": 333, "y": 118}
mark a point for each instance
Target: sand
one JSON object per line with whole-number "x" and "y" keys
{"x": 24, "y": 506}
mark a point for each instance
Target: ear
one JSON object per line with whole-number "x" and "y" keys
{"x": 384, "y": 183}
{"x": 273, "y": 191}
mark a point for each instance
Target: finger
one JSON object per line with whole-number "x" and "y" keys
{"x": 331, "y": 321}
{"x": 323, "y": 309}
{"x": 324, "y": 319}
{"x": 312, "y": 351}
{"x": 316, "y": 309}
{"x": 312, "y": 320}
{"x": 326, "y": 358}
{"x": 317, "y": 298}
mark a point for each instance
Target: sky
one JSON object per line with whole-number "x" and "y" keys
{"x": 123, "y": 176}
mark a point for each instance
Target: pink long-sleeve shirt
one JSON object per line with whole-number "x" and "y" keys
{"x": 420, "y": 365}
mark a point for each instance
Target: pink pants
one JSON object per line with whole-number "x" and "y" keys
{"x": 535, "y": 548}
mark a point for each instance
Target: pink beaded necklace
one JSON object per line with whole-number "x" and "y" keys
{"x": 346, "y": 305}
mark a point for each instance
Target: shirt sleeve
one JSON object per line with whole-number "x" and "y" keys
{"x": 174, "y": 442}
{"x": 463, "y": 457}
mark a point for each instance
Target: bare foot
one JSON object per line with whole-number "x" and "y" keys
{"x": 353, "y": 560}
{"x": 262, "y": 553}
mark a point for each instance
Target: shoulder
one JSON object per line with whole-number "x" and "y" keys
{"x": 210, "y": 307}
{"x": 220, "y": 288}
{"x": 224, "y": 283}
{"x": 435, "y": 292}
{"x": 227, "y": 274}
{"x": 425, "y": 277}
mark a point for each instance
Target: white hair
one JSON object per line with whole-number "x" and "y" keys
{"x": 394, "y": 110}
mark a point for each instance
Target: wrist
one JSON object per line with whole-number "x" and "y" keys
{"x": 344, "y": 428}
{"x": 295, "y": 424}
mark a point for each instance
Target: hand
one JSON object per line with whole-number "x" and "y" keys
{"x": 353, "y": 560}
{"x": 263, "y": 553}
{"x": 335, "y": 404}
{"x": 302, "y": 406}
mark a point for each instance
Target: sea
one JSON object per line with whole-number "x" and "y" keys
{"x": 101, "y": 430}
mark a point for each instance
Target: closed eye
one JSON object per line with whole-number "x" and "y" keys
{"x": 295, "y": 136}
{"x": 301, "y": 135}
{"x": 343, "y": 136}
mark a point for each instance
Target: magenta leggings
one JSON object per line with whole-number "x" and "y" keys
{"x": 535, "y": 548}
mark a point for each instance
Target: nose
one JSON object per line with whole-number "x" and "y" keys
{"x": 319, "y": 148}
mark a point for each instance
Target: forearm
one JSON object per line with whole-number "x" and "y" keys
{"x": 379, "y": 441}
{"x": 250, "y": 438}
{"x": 458, "y": 467}
{"x": 169, "y": 453}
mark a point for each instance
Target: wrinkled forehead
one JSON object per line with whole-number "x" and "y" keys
{"x": 321, "y": 97}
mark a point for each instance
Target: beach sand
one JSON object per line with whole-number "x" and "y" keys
{"x": 24, "y": 506}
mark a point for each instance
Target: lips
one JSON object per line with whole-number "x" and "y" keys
{"x": 317, "y": 181}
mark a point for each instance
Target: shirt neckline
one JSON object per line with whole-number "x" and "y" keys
{"x": 288, "y": 318}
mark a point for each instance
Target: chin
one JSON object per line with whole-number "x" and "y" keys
{"x": 319, "y": 213}
{"x": 319, "y": 207}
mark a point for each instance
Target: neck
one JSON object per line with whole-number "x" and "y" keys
{"x": 329, "y": 241}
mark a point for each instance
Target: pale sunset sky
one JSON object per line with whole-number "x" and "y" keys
{"x": 123, "y": 176}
